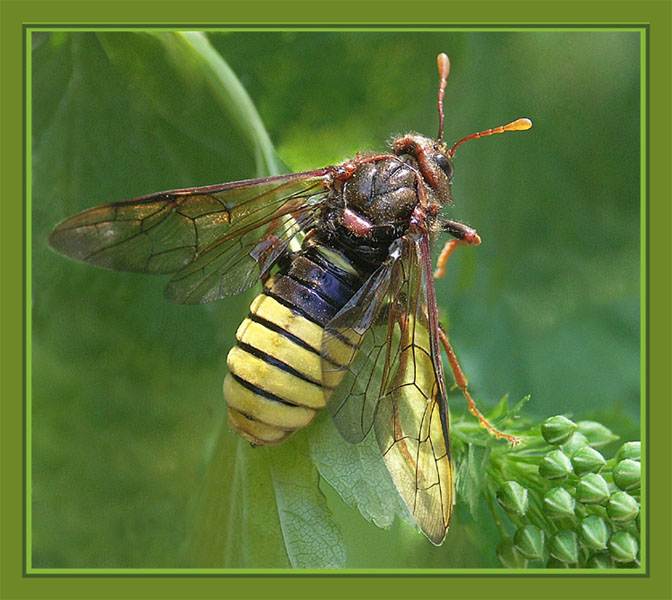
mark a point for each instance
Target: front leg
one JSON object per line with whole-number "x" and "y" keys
{"x": 463, "y": 235}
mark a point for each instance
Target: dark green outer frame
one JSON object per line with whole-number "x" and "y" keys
{"x": 655, "y": 584}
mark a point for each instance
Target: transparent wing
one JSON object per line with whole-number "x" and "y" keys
{"x": 355, "y": 352}
{"x": 382, "y": 368}
{"x": 235, "y": 262}
{"x": 412, "y": 419}
{"x": 219, "y": 239}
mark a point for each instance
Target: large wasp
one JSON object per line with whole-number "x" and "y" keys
{"x": 347, "y": 317}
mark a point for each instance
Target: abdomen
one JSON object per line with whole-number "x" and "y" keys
{"x": 274, "y": 384}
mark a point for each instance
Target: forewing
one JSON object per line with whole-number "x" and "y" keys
{"x": 235, "y": 262}
{"x": 220, "y": 239}
{"x": 411, "y": 422}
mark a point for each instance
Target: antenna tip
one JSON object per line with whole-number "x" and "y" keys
{"x": 520, "y": 125}
{"x": 443, "y": 62}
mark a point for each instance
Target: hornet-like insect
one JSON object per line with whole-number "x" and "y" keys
{"x": 347, "y": 317}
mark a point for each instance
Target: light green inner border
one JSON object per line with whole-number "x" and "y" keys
{"x": 644, "y": 301}
{"x": 28, "y": 249}
{"x": 434, "y": 571}
{"x": 627, "y": 585}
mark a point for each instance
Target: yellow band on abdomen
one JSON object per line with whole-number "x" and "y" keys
{"x": 270, "y": 378}
{"x": 274, "y": 384}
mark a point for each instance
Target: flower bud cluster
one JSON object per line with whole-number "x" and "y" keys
{"x": 570, "y": 505}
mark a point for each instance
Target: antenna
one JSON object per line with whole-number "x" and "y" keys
{"x": 443, "y": 62}
{"x": 517, "y": 125}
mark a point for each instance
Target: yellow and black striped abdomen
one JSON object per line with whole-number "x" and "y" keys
{"x": 274, "y": 384}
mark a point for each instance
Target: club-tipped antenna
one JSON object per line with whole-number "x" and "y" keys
{"x": 443, "y": 62}
{"x": 517, "y": 125}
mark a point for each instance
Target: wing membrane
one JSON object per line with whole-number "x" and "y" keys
{"x": 355, "y": 350}
{"x": 381, "y": 357}
{"x": 234, "y": 264}
{"x": 220, "y": 239}
{"x": 412, "y": 420}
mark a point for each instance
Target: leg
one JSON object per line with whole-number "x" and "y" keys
{"x": 461, "y": 382}
{"x": 441, "y": 261}
{"x": 463, "y": 235}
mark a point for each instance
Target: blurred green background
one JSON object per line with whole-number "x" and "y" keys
{"x": 126, "y": 387}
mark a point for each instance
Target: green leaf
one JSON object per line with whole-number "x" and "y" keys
{"x": 472, "y": 475}
{"x": 189, "y": 60}
{"x": 518, "y": 408}
{"x": 270, "y": 513}
{"x": 500, "y": 410}
{"x": 236, "y": 525}
{"x": 358, "y": 473}
{"x": 311, "y": 537}
{"x": 260, "y": 527}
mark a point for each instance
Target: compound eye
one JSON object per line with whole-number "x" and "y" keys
{"x": 445, "y": 164}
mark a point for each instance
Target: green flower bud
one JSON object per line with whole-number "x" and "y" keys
{"x": 558, "y": 503}
{"x": 577, "y": 441}
{"x": 623, "y": 546}
{"x": 555, "y": 465}
{"x": 601, "y": 560}
{"x": 564, "y": 546}
{"x": 594, "y": 532}
{"x": 584, "y": 554}
{"x": 587, "y": 460}
{"x": 597, "y": 434}
{"x": 513, "y": 498}
{"x": 554, "y": 563}
{"x": 631, "y": 450}
{"x": 509, "y": 556}
{"x": 627, "y": 474}
{"x": 557, "y": 430}
{"x": 592, "y": 489}
{"x": 529, "y": 541}
{"x": 622, "y": 507}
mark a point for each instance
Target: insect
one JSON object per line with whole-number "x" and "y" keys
{"x": 347, "y": 317}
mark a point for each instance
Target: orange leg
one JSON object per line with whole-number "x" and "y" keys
{"x": 461, "y": 382}
{"x": 444, "y": 255}
{"x": 463, "y": 235}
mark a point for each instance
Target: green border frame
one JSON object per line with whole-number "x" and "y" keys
{"x": 655, "y": 16}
